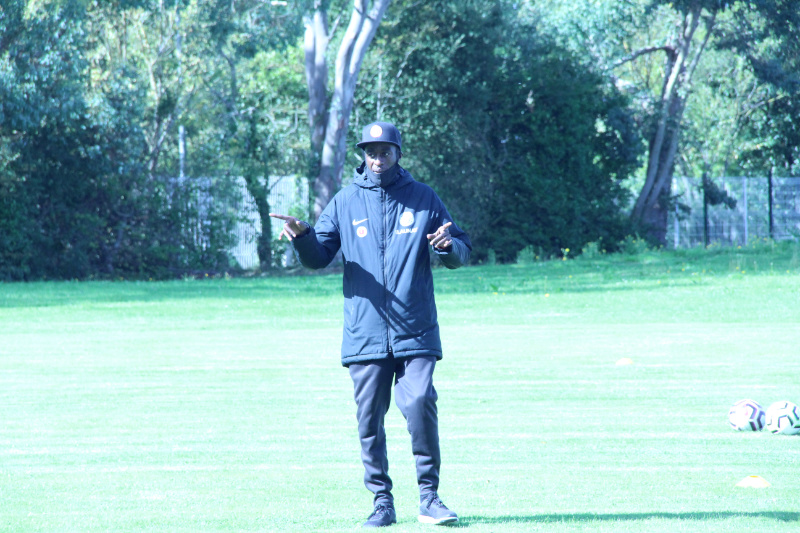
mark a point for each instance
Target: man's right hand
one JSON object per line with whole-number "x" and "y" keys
{"x": 292, "y": 227}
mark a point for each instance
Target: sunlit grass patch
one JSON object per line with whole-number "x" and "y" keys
{"x": 221, "y": 405}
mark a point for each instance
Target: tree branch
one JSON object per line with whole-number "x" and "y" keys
{"x": 669, "y": 50}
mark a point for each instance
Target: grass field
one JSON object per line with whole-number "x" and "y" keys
{"x": 220, "y": 405}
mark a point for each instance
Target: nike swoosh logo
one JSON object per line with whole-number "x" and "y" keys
{"x": 357, "y": 222}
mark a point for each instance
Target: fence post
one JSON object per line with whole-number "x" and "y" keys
{"x": 744, "y": 200}
{"x": 705, "y": 211}
{"x": 677, "y": 226}
{"x": 770, "y": 202}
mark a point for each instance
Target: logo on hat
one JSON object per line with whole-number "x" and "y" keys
{"x": 380, "y": 132}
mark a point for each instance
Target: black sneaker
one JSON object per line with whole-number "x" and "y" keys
{"x": 433, "y": 511}
{"x": 383, "y": 515}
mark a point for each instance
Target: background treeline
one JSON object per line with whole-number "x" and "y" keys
{"x": 545, "y": 125}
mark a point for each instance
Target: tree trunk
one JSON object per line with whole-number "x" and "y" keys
{"x": 329, "y": 124}
{"x": 316, "y": 44}
{"x": 259, "y": 192}
{"x": 651, "y": 210}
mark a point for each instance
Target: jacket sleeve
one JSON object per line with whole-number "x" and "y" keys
{"x": 317, "y": 248}
{"x": 460, "y": 250}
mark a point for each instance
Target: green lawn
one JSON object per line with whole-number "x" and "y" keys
{"x": 221, "y": 405}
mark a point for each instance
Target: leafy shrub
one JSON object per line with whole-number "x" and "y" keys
{"x": 633, "y": 245}
{"x": 592, "y": 250}
{"x": 526, "y": 146}
{"x": 527, "y": 255}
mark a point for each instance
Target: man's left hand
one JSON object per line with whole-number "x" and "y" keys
{"x": 441, "y": 240}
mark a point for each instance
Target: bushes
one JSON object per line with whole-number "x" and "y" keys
{"x": 525, "y": 145}
{"x": 78, "y": 195}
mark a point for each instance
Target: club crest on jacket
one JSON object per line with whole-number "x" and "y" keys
{"x": 406, "y": 219}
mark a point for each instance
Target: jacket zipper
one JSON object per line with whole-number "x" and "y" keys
{"x": 385, "y": 254}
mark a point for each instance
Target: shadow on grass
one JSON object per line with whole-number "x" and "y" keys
{"x": 467, "y": 521}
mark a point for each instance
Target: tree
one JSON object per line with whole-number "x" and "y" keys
{"x": 241, "y": 40}
{"x": 764, "y": 33}
{"x": 525, "y": 145}
{"x": 567, "y": 141}
{"x": 625, "y": 37}
{"x": 160, "y": 223}
{"x": 86, "y": 127}
{"x": 52, "y": 202}
{"x": 329, "y": 120}
{"x": 683, "y": 49}
{"x": 431, "y": 73}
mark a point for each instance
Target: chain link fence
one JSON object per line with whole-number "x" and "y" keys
{"x": 286, "y": 194}
{"x": 751, "y": 219}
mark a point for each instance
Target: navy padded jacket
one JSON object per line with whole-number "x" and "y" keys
{"x": 389, "y": 308}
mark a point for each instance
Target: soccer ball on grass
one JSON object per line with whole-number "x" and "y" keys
{"x": 783, "y": 417}
{"x": 746, "y": 415}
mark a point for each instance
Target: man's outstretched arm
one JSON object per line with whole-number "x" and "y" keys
{"x": 314, "y": 250}
{"x": 293, "y": 227}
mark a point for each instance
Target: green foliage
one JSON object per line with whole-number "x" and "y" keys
{"x": 716, "y": 195}
{"x": 564, "y": 151}
{"x": 256, "y": 93}
{"x": 748, "y": 85}
{"x": 633, "y": 245}
{"x": 739, "y": 117}
{"x": 511, "y": 110}
{"x": 527, "y": 256}
{"x": 592, "y": 250}
{"x": 764, "y": 32}
{"x": 53, "y": 169}
{"x": 431, "y": 72}
{"x": 525, "y": 145}
{"x": 91, "y": 95}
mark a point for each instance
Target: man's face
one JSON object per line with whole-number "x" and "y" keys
{"x": 381, "y": 156}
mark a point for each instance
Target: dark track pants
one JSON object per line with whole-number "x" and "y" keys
{"x": 416, "y": 398}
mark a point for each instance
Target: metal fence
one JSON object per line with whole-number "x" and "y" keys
{"x": 285, "y": 194}
{"x": 748, "y": 221}
{"x": 751, "y": 218}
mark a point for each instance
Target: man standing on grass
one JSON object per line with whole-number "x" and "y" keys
{"x": 384, "y": 223}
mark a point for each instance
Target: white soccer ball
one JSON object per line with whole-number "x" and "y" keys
{"x": 783, "y": 417}
{"x": 746, "y": 415}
